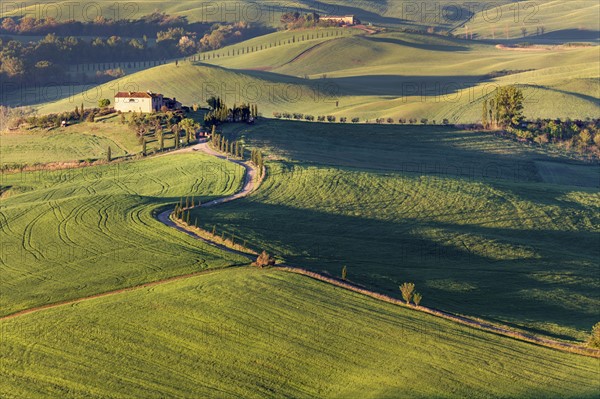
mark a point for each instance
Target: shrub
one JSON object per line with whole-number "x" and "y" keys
{"x": 343, "y": 119}
{"x": 103, "y": 102}
{"x": 321, "y": 118}
{"x": 277, "y": 115}
{"x": 424, "y": 121}
{"x": 390, "y": 120}
{"x": 331, "y": 118}
{"x": 264, "y": 259}
{"x": 355, "y": 120}
{"x": 594, "y": 338}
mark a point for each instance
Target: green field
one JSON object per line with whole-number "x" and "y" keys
{"x": 570, "y": 20}
{"x": 389, "y": 75}
{"x": 77, "y": 232}
{"x": 269, "y": 334}
{"x": 466, "y": 216}
{"x": 76, "y": 142}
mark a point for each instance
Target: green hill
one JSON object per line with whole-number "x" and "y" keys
{"x": 470, "y": 218}
{"x": 270, "y": 334}
{"x": 573, "y": 20}
{"x": 77, "y": 232}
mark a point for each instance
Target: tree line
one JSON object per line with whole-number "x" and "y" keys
{"x": 221, "y": 113}
{"x": 294, "y": 39}
{"x": 233, "y": 148}
{"x": 343, "y": 119}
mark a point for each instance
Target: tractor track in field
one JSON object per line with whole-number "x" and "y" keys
{"x": 251, "y": 183}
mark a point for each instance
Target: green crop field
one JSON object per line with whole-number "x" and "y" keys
{"x": 389, "y": 75}
{"x": 269, "y": 334}
{"x": 77, "y": 232}
{"x": 101, "y": 298}
{"x": 470, "y": 218}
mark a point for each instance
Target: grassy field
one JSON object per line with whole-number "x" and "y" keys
{"x": 71, "y": 233}
{"x": 394, "y": 74}
{"x": 260, "y": 333}
{"x": 80, "y": 141}
{"x": 468, "y": 217}
{"x": 77, "y": 142}
{"x": 565, "y": 20}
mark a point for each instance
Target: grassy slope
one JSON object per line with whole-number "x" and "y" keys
{"x": 564, "y": 18}
{"x": 464, "y": 215}
{"x": 76, "y": 142}
{"x": 390, "y": 75}
{"x": 252, "y": 333}
{"x": 72, "y": 233}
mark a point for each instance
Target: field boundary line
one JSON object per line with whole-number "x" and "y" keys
{"x": 116, "y": 292}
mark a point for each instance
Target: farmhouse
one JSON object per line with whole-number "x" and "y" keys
{"x": 346, "y": 19}
{"x": 128, "y": 101}
{"x": 138, "y": 101}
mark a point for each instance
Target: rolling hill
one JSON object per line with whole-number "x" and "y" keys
{"x": 77, "y": 232}
{"x": 479, "y": 223}
{"x": 397, "y": 75}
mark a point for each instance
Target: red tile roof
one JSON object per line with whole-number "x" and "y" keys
{"x": 136, "y": 94}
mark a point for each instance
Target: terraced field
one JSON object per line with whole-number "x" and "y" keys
{"x": 73, "y": 233}
{"x": 465, "y": 216}
{"x": 264, "y": 333}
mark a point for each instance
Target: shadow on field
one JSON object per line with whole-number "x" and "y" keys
{"x": 525, "y": 277}
{"x": 419, "y": 46}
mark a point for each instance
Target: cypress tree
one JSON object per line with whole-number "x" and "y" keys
{"x": 484, "y": 115}
{"x": 108, "y": 154}
{"x": 214, "y": 230}
{"x": 144, "y": 146}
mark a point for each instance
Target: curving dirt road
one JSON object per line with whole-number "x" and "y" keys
{"x": 251, "y": 182}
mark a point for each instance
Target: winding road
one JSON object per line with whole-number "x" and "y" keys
{"x": 251, "y": 182}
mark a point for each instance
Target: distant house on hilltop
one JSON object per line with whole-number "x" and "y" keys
{"x": 346, "y": 19}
